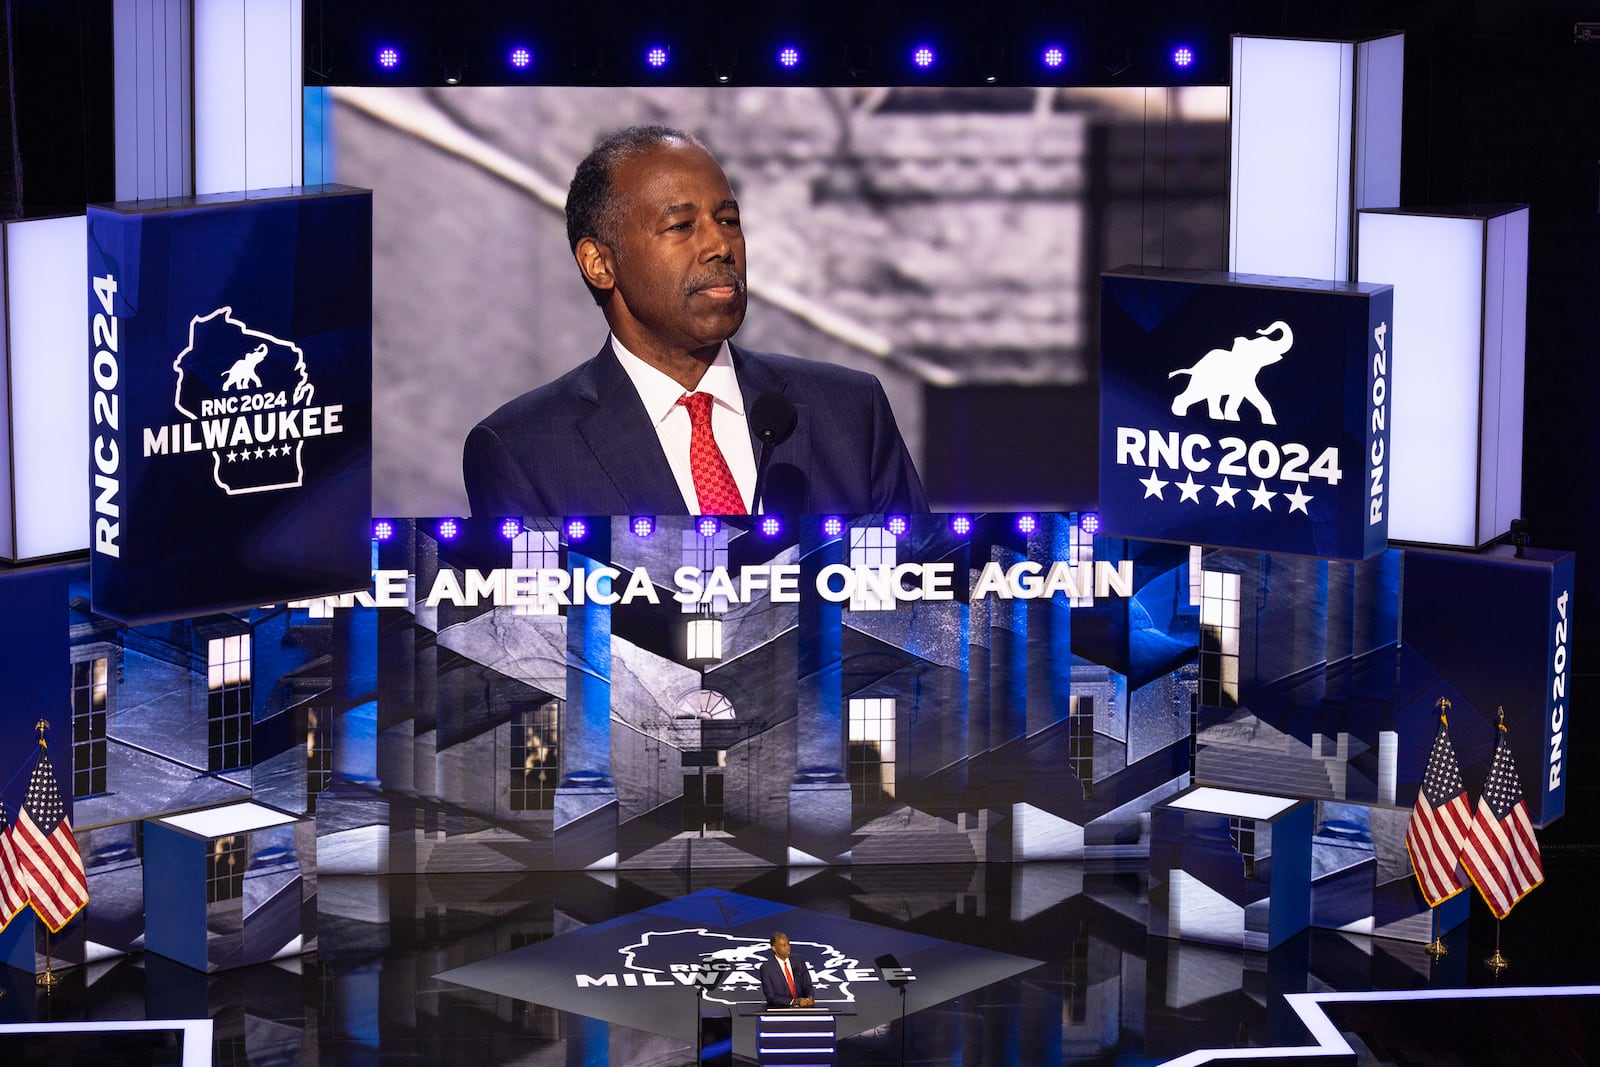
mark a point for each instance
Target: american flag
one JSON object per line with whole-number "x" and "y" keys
{"x": 1439, "y": 823}
{"x": 13, "y": 898}
{"x": 46, "y": 852}
{"x": 1502, "y": 855}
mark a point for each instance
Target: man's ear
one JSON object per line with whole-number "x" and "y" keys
{"x": 596, "y": 262}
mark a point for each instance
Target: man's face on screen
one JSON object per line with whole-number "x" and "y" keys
{"x": 677, "y": 257}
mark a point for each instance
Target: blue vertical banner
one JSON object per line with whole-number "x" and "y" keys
{"x": 1558, "y": 693}
{"x": 1245, "y": 412}
{"x": 230, "y": 400}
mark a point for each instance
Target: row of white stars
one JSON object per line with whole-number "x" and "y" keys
{"x": 1189, "y": 489}
{"x": 259, "y": 453}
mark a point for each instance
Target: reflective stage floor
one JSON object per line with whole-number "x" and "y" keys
{"x": 1081, "y": 980}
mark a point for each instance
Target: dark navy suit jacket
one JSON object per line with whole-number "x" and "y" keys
{"x": 583, "y": 445}
{"x": 776, "y": 989}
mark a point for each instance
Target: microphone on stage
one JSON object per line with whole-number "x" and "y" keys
{"x": 772, "y": 419}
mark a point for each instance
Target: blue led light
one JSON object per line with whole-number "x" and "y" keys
{"x": 707, "y": 526}
{"x": 1089, "y": 522}
{"x": 521, "y": 57}
{"x": 448, "y": 529}
{"x": 961, "y": 525}
{"x": 1054, "y": 56}
{"x": 656, "y": 56}
{"x": 388, "y": 57}
{"x": 1027, "y": 523}
{"x": 922, "y": 56}
{"x": 643, "y": 525}
{"x": 833, "y": 526}
{"x": 382, "y": 530}
{"x": 577, "y": 529}
{"x": 771, "y": 526}
{"x": 510, "y": 528}
{"x": 1183, "y": 57}
{"x": 897, "y": 525}
{"x": 789, "y": 56}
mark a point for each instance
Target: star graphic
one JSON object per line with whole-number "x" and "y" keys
{"x": 273, "y": 451}
{"x": 1225, "y": 493}
{"x": 1263, "y": 497}
{"x": 232, "y": 456}
{"x": 260, "y": 452}
{"x": 1298, "y": 501}
{"x": 1190, "y": 489}
{"x": 1153, "y": 486}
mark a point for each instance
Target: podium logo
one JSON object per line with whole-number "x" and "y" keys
{"x": 246, "y": 397}
{"x": 726, "y": 967}
{"x": 1226, "y": 377}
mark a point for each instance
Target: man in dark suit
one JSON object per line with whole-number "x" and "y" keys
{"x": 655, "y": 230}
{"x": 786, "y": 982}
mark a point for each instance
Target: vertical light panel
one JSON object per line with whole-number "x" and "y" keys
{"x": 1315, "y": 136}
{"x": 153, "y": 110}
{"x": 46, "y": 505}
{"x": 1460, "y": 326}
{"x": 248, "y": 94}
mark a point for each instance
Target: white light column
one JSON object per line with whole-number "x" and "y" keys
{"x": 248, "y": 88}
{"x": 44, "y": 369}
{"x": 1460, "y": 333}
{"x": 153, "y": 42}
{"x": 1316, "y": 137}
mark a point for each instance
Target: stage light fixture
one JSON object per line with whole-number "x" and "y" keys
{"x": 642, "y": 525}
{"x": 789, "y": 56}
{"x": 1089, "y": 522}
{"x": 388, "y": 57}
{"x": 897, "y": 525}
{"x": 1183, "y": 57}
{"x": 382, "y": 530}
{"x": 521, "y": 57}
{"x": 448, "y": 529}
{"x": 832, "y": 526}
{"x": 961, "y": 525}
{"x": 708, "y": 526}
{"x": 656, "y": 56}
{"x": 1053, "y": 57}
{"x": 510, "y": 528}
{"x": 1027, "y": 523}
{"x": 771, "y": 526}
{"x": 577, "y": 529}
{"x": 923, "y": 56}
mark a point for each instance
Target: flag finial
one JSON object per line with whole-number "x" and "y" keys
{"x": 42, "y": 725}
{"x": 1500, "y": 718}
{"x": 1443, "y": 704}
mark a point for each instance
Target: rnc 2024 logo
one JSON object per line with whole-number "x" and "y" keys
{"x": 1221, "y": 386}
{"x": 246, "y": 398}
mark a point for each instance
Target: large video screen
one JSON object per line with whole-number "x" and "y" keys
{"x": 947, "y": 240}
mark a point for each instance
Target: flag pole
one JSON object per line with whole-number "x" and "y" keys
{"x": 1436, "y": 948}
{"x": 49, "y": 979}
{"x": 1497, "y": 962}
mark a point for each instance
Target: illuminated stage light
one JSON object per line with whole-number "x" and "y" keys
{"x": 1089, "y": 522}
{"x": 1054, "y": 57}
{"x": 833, "y": 526}
{"x": 388, "y": 57}
{"x": 642, "y": 525}
{"x": 510, "y": 528}
{"x": 656, "y": 56}
{"x": 448, "y": 529}
{"x": 771, "y": 526}
{"x": 789, "y": 56}
{"x": 1027, "y": 523}
{"x": 922, "y": 57}
{"x": 961, "y": 525}
{"x": 521, "y": 58}
{"x": 1183, "y": 57}
{"x": 707, "y": 526}
{"x": 577, "y": 529}
{"x": 897, "y": 525}
{"x": 382, "y": 530}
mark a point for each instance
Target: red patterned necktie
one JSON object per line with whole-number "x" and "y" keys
{"x": 789, "y": 977}
{"x": 714, "y": 486}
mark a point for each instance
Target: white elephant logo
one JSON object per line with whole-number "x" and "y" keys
{"x": 1229, "y": 374}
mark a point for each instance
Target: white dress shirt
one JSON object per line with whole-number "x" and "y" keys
{"x": 729, "y": 426}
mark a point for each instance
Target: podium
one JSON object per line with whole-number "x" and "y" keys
{"x": 795, "y": 1036}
